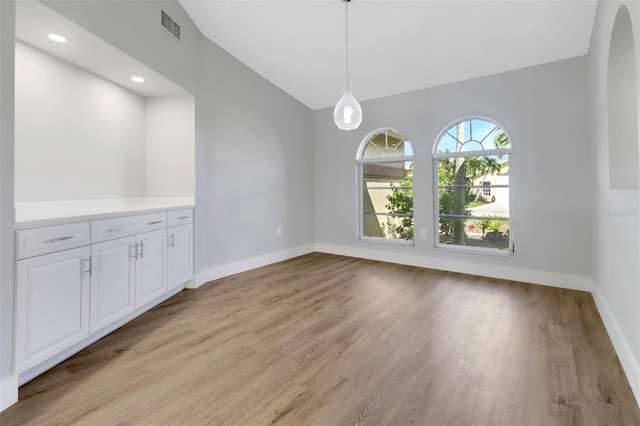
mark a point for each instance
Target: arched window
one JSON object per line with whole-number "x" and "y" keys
{"x": 471, "y": 168}
{"x": 385, "y": 187}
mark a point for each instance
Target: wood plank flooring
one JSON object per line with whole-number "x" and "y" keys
{"x": 331, "y": 340}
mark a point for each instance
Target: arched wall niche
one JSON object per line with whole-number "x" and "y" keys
{"x": 622, "y": 89}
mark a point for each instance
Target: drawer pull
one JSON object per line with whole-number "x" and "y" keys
{"x": 88, "y": 266}
{"x": 155, "y": 222}
{"x": 183, "y": 217}
{"x": 55, "y": 240}
{"x": 117, "y": 228}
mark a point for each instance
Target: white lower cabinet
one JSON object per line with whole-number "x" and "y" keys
{"x": 52, "y": 304}
{"x": 151, "y": 260}
{"x": 64, "y": 297}
{"x": 180, "y": 257}
{"x": 127, "y": 273}
{"x": 112, "y": 281}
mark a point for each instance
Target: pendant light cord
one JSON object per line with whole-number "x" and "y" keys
{"x": 347, "y": 113}
{"x": 346, "y": 32}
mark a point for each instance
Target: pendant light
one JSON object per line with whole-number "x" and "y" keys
{"x": 347, "y": 114}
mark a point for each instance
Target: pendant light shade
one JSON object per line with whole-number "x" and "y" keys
{"x": 347, "y": 114}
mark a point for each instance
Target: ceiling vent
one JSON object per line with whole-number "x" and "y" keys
{"x": 170, "y": 25}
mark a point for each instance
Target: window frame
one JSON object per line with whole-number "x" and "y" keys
{"x": 360, "y": 162}
{"x": 436, "y": 156}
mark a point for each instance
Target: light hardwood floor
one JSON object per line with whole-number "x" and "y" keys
{"x": 331, "y": 340}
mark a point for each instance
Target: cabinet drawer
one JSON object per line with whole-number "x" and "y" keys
{"x": 49, "y": 239}
{"x": 180, "y": 217}
{"x": 109, "y": 229}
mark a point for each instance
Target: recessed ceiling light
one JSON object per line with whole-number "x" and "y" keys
{"x": 137, "y": 79}
{"x": 57, "y": 38}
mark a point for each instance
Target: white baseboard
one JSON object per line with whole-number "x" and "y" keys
{"x": 572, "y": 282}
{"x": 227, "y": 269}
{"x": 630, "y": 365}
{"x": 8, "y": 391}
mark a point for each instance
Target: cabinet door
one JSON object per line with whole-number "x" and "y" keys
{"x": 112, "y": 281}
{"x": 52, "y": 305}
{"x": 180, "y": 257}
{"x": 151, "y": 277}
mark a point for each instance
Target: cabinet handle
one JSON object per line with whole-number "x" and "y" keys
{"x": 183, "y": 217}
{"x": 141, "y": 249}
{"x": 171, "y": 241}
{"x": 135, "y": 251}
{"x": 117, "y": 228}
{"x": 88, "y": 269}
{"x": 155, "y": 222}
{"x": 55, "y": 240}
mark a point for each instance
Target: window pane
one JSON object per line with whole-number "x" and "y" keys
{"x": 387, "y": 173}
{"x": 472, "y": 136}
{"x": 478, "y": 188}
{"x": 486, "y": 233}
{"x": 475, "y": 186}
{"x": 390, "y": 227}
{"x": 387, "y": 144}
{"x": 480, "y": 129}
{"x": 387, "y": 200}
{"x": 474, "y": 170}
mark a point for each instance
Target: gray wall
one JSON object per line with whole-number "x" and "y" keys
{"x": 258, "y": 161}
{"x": 543, "y": 109}
{"x": 253, "y": 142}
{"x": 616, "y": 223}
{"x": 7, "y": 41}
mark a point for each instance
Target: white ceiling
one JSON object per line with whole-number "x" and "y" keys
{"x": 396, "y": 45}
{"x": 34, "y": 21}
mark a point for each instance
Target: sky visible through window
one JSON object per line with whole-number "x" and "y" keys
{"x": 408, "y": 151}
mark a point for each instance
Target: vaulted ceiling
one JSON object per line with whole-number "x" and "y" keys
{"x": 396, "y": 45}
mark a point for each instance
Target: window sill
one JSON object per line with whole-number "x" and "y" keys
{"x": 476, "y": 250}
{"x": 376, "y": 240}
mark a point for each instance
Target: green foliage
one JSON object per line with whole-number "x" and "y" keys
{"x": 446, "y": 197}
{"x": 501, "y": 140}
{"x": 493, "y": 225}
{"x": 401, "y": 201}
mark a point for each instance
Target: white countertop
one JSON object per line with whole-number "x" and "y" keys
{"x": 54, "y": 212}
